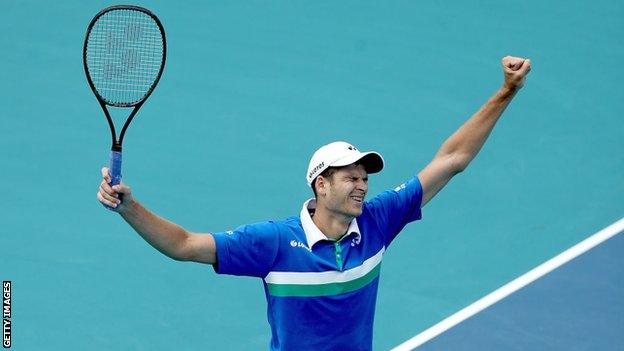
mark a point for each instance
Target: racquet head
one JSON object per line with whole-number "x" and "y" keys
{"x": 124, "y": 55}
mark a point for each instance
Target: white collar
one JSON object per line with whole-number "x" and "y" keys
{"x": 312, "y": 232}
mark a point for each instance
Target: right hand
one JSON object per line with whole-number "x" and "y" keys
{"x": 515, "y": 70}
{"x": 109, "y": 196}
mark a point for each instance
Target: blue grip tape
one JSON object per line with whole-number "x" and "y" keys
{"x": 114, "y": 169}
{"x": 114, "y": 166}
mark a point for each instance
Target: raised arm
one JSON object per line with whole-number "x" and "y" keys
{"x": 460, "y": 148}
{"x": 167, "y": 237}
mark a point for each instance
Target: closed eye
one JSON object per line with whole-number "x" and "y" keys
{"x": 355, "y": 179}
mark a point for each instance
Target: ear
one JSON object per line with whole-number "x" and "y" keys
{"x": 321, "y": 185}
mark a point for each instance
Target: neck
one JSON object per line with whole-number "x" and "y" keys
{"x": 333, "y": 225}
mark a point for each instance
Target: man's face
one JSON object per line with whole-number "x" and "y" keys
{"x": 345, "y": 190}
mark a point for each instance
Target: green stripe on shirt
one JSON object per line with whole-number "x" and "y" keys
{"x": 307, "y": 290}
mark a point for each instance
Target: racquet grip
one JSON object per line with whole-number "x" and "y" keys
{"x": 114, "y": 165}
{"x": 114, "y": 169}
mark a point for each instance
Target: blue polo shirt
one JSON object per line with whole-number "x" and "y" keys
{"x": 321, "y": 293}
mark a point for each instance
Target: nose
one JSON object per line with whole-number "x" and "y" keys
{"x": 362, "y": 185}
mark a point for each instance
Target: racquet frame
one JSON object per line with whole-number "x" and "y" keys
{"x": 116, "y": 143}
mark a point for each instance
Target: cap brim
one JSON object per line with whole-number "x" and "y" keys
{"x": 372, "y": 161}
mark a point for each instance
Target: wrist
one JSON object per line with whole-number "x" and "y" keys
{"x": 507, "y": 90}
{"x": 127, "y": 206}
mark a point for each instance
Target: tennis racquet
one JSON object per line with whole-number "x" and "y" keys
{"x": 124, "y": 56}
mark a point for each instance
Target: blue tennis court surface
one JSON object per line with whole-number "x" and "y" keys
{"x": 250, "y": 89}
{"x": 578, "y": 306}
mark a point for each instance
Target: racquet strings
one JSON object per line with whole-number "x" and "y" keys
{"x": 125, "y": 53}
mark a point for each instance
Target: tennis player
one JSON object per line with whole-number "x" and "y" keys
{"x": 321, "y": 268}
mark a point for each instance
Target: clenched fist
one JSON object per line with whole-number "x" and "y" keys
{"x": 515, "y": 70}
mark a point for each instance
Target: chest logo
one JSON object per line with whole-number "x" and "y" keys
{"x": 295, "y": 243}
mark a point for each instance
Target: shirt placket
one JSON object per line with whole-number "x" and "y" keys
{"x": 338, "y": 255}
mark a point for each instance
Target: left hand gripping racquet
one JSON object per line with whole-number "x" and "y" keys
{"x": 124, "y": 56}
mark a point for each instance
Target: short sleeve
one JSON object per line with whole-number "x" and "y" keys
{"x": 393, "y": 209}
{"x": 249, "y": 250}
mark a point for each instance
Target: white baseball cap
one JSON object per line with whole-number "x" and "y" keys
{"x": 338, "y": 154}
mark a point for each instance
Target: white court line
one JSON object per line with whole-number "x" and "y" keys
{"x": 512, "y": 286}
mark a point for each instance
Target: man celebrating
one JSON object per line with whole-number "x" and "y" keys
{"x": 321, "y": 268}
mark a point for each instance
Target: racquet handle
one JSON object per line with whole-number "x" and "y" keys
{"x": 114, "y": 168}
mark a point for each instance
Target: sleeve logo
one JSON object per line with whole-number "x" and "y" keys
{"x": 400, "y": 187}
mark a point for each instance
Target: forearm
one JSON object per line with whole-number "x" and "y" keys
{"x": 167, "y": 237}
{"x": 466, "y": 142}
